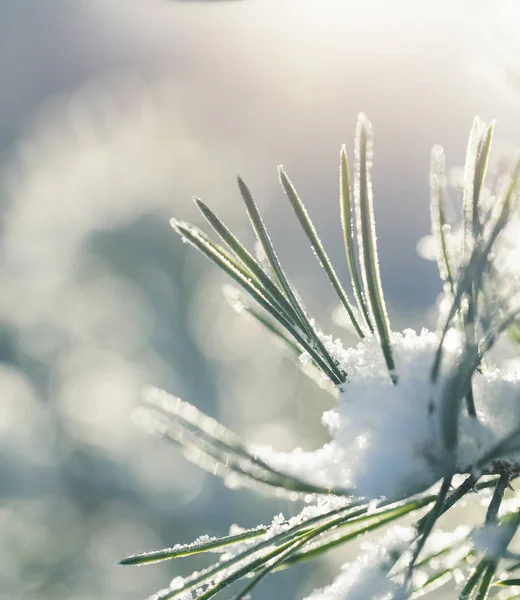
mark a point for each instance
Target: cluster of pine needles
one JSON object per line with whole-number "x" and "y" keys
{"x": 276, "y": 304}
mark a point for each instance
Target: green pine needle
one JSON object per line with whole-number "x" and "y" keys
{"x": 485, "y": 584}
{"x": 241, "y": 253}
{"x": 367, "y": 241}
{"x": 473, "y": 580}
{"x": 148, "y": 558}
{"x": 481, "y": 164}
{"x": 438, "y": 216}
{"x": 245, "y": 278}
{"x": 210, "y": 444}
{"x": 317, "y": 246}
{"x": 267, "y": 246}
{"x": 347, "y": 222}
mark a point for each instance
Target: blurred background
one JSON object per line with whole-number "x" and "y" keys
{"x": 112, "y": 114}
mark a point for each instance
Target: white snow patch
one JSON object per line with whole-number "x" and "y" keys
{"x": 366, "y": 577}
{"x": 492, "y": 539}
{"x": 386, "y": 443}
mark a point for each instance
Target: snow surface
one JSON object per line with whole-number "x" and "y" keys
{"x": 385, "y": 442}
{"x": 366, "y": 577}
{"x": 493, "y": 539}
